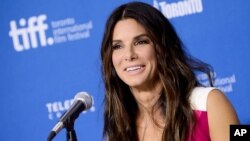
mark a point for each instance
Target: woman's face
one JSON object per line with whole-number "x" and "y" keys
{"x": 133, "y": 54}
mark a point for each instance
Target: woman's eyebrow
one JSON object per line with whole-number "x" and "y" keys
{"x": 141, "y": 35}
{"x": 136, "y": 37}
{"x": 116, "y": 41}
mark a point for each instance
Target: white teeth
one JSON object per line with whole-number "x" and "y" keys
{"x": 133, "y": 68}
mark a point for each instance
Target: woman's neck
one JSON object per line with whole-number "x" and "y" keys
{"x": 147, "y": 97}
{"x": 149, "y": 121}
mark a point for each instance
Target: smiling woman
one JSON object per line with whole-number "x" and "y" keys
{"x": 152, "y": 93}
{"x": 133, "y": 54}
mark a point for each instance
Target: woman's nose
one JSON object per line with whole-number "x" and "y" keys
{"x": 130, "y": 54}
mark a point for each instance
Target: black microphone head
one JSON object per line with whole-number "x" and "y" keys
{"x": 85, "y": 98}
{"x": 82, "y": 101}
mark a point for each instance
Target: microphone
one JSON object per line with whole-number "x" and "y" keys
{"x": 82, "y": 102}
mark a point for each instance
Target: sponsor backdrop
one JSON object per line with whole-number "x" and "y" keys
{"x": 49, "y": 51}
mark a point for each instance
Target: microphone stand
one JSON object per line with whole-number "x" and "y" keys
{"x": 71, "y": 134}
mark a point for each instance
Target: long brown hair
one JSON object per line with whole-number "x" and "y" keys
{"x": 176, "y": 71}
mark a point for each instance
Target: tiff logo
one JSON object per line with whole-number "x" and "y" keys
{"x": 28, "y": 32}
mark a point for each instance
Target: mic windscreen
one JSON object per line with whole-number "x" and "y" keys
{"x": 85, "y": 98}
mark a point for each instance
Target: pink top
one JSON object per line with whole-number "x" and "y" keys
{"x": 198, "y": 100}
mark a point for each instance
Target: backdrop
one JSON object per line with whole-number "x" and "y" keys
{"x": 49, "y": 51}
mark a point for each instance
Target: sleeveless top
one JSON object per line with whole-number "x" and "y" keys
{"x": 198, "y": 100}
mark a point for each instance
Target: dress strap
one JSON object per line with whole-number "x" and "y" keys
{"x": 198, "y": 98}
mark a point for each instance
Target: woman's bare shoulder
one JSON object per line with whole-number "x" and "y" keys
{"x": 221, "y": 114}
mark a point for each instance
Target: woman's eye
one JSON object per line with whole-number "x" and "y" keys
{"x": 141, "y": 42}
{"x": 116, "y": 46}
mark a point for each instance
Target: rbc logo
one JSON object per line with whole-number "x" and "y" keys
{"x": 29, "y": 31}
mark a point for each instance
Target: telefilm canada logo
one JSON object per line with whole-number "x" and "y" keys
{"x": 57, "y": 108}
{"x": 32, "y": 32}
{"x": 179, "y": 8}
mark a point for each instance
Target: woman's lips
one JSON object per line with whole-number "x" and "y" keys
{"x": 134, "y": 68}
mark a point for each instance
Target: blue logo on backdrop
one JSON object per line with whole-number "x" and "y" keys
{"x": 225, "y": 84}
{"x": 27, "y": 33}
{"x": 180, "y": 8}
{"x": 57, "y": 108}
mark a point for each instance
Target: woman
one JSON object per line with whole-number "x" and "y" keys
{"x": 152, "y": 93}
